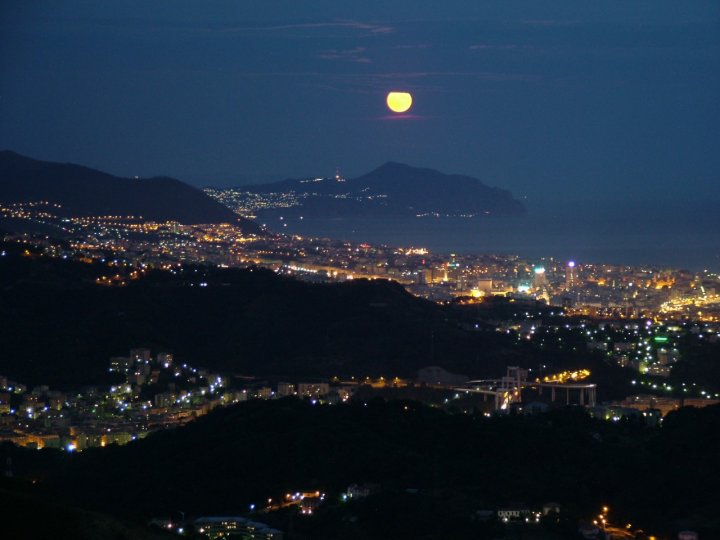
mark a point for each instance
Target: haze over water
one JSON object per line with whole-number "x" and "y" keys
{"x": 679, "y": 234}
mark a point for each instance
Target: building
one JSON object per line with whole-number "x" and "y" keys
{"x": 657, "y": 370}
{"x": 485, "y": 286}
{"x": 235, "y": 527}
{"x": 313, "y": 389}
{"x": 667, "y": 356}
{"x": 570, "y": 275}
{"x": 121, "y": 364}
{"x": 165, "y": 359}
{"x": 516, "y": 514}
{"x": 539, "y": 277}
{"x": 357, "y": 491}
{"x": 285, "y": 389}
{"x": 140, "y": 355}
{"x": 164, "y": 400}
{"x": 645, "y": 402}
{"x": 136, "y": 378}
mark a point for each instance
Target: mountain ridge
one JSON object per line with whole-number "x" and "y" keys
{"x": 83, "y": 191}
{"x": 391, "y": 190}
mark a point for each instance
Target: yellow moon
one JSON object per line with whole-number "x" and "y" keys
{"x": 399, "y": 102}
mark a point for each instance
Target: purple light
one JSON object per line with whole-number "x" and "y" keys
{"x": 571, "y": 264}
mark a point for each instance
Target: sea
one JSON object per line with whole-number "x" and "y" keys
{"x": 672, "y": 234}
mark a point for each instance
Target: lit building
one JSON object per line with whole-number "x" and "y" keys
{"x": 235, "y": 527}
{"x": 570, "y": 275}
{"x": 285, "y": 389}
{"x": 121, "y": 364}
{"x": 165, "y": 359}
{"x": 313, "y": 389}
{"x": 485, "y": 286}
{"x": 165, "y": 399}
{"x": 140, "y": 355}
{"x": 539, "y": 277}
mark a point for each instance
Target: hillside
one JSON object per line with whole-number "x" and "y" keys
{"x": 391, "y": 190}
{"x": 61, "y": 521}
{"x": 428, "y": 190}
{"x": 250, "y": 321}
{"x": 84, "y": 192}
{"x": 244, "y": 321}
{"x": 457, "y": 464}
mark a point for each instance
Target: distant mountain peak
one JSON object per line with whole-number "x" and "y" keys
{"x": 394, "y": 166}
{"x": 391, "y": 190}
{"x": 397, "y": 168}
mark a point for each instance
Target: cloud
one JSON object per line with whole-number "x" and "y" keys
{"x": 426, "y": 81}
{"x": 490, "y": 47}
{"x": 401, "y": 117}
{"x": 348, "y": 55}
{"x": 357, "y": 25}
{"x": 415, "y": 46}
{"x": 482, "y": 75}
{"x": 369, "y": 28}
{"x": 548, "y": 22}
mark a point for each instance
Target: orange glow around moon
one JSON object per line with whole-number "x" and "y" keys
{"x": 399, "y": 102}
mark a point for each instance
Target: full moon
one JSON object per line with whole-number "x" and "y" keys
{"x": 399, "y": 102}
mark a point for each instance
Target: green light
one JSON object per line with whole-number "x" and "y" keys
{"x": 660, "y": 339}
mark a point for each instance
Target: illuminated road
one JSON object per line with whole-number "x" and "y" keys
{"x": 614, "y": 533}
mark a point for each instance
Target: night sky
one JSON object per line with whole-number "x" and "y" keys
{"x": 580, "y": 99}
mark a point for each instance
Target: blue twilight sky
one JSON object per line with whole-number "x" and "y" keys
{"x": 551, "y": 98}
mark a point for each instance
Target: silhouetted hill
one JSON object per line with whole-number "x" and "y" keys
{"x": 60, "y": 520}
{"x": 428, "y": 190}
{"x": 60, "y": 328}
{"x": 393, "y": 190}
{"x": 82, "y": 191}
{"x": 244, "y": 454}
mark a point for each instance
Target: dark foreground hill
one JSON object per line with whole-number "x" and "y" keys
{"x": 393, "y": 190}
{"x": 659, "y": 479}
{"x": 86, "y": 192}
{"x": 60, "y": 521}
